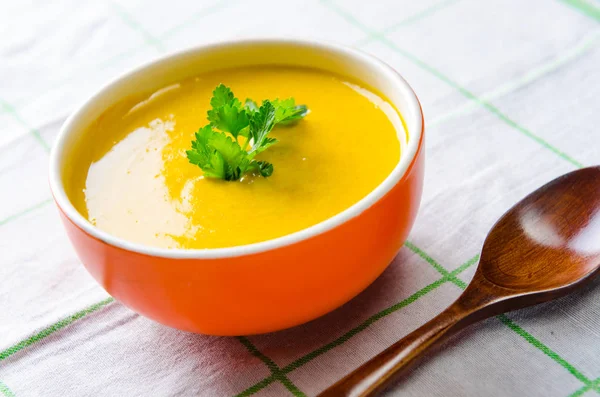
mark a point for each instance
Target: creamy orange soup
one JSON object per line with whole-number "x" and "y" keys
{"x": 131, "y": 178}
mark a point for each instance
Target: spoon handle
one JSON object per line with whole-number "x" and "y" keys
{"x": 376, "y": 374}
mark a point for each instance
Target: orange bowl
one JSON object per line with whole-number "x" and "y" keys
{"x": 270, "y": 285}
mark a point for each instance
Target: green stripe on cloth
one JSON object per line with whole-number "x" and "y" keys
{"x": 464, "y": 266}
{"x": 33, "y": 131}
{"x": 198, "y": 15}
{"x": 149, "y": 39}
{"x": 378, "y": 316}
{"x": 364, "y": 325}
{"x": 466, "y": 93}
{"x": 595, "y": 385}
{"x": 257, "y": 387}
{"x": 275, "y": 370}
{"x": 442, "y": 270}
{"x": 534, "y": 74}
{"x": 410, "y": 20}
{"x": 133, "y": 24}
{"x": 194, "y": 19}
{"x": 427, "y": 258}
{"x": 486, "y": 105}
{"x": 24, "y": 212}
{"x": 545, "y": 349}
{"x": 52, "y": 329}
{"x": 587, "y": 7}
{"x": 6, "y": 392}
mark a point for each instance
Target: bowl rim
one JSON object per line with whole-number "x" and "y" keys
{"x": 404, "y": 163}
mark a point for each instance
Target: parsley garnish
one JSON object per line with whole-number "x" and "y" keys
{"x": 217, "y": 149}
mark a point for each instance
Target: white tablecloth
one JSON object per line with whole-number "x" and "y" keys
{"x": 510, "y": 91}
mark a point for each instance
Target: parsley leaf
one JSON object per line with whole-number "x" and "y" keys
{"x": 228, "y": 118}
{"x": 261, "y": 123}
{"x": 219, "y": 154}
{"x": 205, "y": 156}
{"x": 222, "y": 95}
{"x": 250, "y": 106}
{"x": 287, "y": 112}
{"x": 264, "y": 168}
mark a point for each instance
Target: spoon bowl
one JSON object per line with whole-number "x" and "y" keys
{"x": 543, "y": 248}
{"x": 550, "y": 239}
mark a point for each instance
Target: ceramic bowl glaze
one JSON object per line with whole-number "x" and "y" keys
{"x": 265, "y": 286}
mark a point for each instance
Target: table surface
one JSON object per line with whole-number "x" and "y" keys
{"x": 510, "y": 91}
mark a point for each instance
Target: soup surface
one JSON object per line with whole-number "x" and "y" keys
{"x": 131, "y": 178}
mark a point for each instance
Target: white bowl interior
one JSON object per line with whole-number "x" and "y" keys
{"x": 341, "y": 60}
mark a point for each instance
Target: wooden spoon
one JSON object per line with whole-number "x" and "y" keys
{"x": 543, "y": 248}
